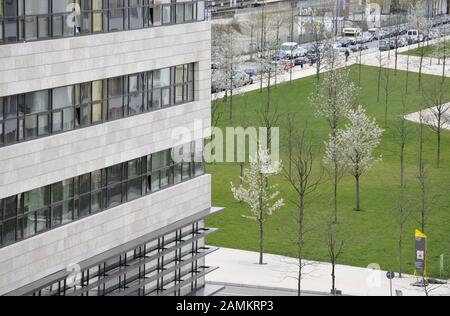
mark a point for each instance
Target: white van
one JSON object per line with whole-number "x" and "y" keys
{"x": 414, "y": 36}
{"x": 290, "y": 49}
{"x": 353, "y": 33}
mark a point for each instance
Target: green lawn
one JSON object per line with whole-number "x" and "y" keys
{"x": 428, "y": 51}
{"x": 372, "y": 233}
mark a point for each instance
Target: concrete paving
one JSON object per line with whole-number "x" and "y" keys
{"x": 430, "y": 116}
{"x": 247, "y": 290}
{"x": 238, "y": 267}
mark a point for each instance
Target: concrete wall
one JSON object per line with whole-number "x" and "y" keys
{"x": 37, "y": 257}
{"x": 46, "y": 64}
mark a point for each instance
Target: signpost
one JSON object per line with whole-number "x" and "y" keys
{"x": 390, "y": 275}
{"x": 420, "y": 264}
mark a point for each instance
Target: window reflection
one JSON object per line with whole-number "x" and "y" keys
{"x": 27, "y": 214}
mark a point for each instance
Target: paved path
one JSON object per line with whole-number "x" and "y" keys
{"x": 430, "y": 66}
{"x": 247, "y": 290}
{"x": 239, "y": 267}
{"x": 430, "y": 116}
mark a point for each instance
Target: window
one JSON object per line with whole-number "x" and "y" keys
{"x": 63, "y": 108}
{"x": 116, "y": 15}
{"x": 1, "y": 34}
{"x": 41, "y": 113}
{"x": 36, "y": 110}
{"x": 35, "y": 199}
{"x": 135, "y": 94}
{"x": 29, "y": 213}
{"x": 136, "y": 14}
{"x": 60, "y": 18}
{"x": 36, "y": 20}
{"x": 97, "y": 101}
{"x": 97, "y": 15}
{"x": 115, "y": 98}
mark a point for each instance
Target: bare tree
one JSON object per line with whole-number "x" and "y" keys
{"x": 403, "y": 211}
{"x": 335, "y": 247}
{"x": 303, "y": 183}
{"x": 422, "y": 177}
{"x": 423, "y": 26}
{"x": 229, "y": 60}
{"x": 439, "y": 113}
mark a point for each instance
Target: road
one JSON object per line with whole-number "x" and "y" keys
{"x": 246, "y": 290}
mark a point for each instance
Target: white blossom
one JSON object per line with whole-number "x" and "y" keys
{"x": 334, "y": 96}
{"x": 254, "y": 191}
{"x": 357, "y": 141}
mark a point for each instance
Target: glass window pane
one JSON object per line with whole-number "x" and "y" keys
{"x": 97, "y": 16}
{"x": 31, "y": 126}
{"x": 85, "y": 202}
{"x": 10, "y": 131}
{"x": 1, "y": 107}
{"x": 166, "y": 14}
{"x": 10, "y": 106}
{"x": 62, "y": 190}
{"x": 69, "y": 121}
{"x": 166, "y": 96}
{"x": 9, "y": 231}
{"x": 134, "y": 189}
{"x": 41, "y": 220}
{"x": 96, "y": 180}
{"x": 43, "y": 124}
{"x": 36, "y": 199}
{"x": 114, "y": 174}
{"x": 134, "y": 168}
{"x": 85, "y": 183}
{"x": 57, "y": 121}
{"x": 10, "y": 207}
{"x": 160, "y": 160}
{"x": 180, "y": 13}
{"x": 96, "y": 202}
{"x": 63, "y": 97}
{"x": 56, "y": 216}
{"x": 36, "y": 102}
{"x": 114, "y": 195}
{"x": 97, "y": 112}
{"x": 135, "y": 14}
{"x": 116, "y": 16}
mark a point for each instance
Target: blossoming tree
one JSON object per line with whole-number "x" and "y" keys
{"x": 257, "y": 194}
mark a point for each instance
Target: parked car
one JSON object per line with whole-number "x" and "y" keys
{"x": 367, "y": 37}
{"x": 301, "y": 61}
{"x": 251, "y": 72}
{"x": 384, "y": 46}
{"x": 312, "y": 58}
{"x": 241, "y": 79}
{"x": 281, "y": 55}
{"x": 345, "y": 42}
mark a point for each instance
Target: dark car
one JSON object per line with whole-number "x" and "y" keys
{"x": 345, "y": 42}
{"x": 312, "y": 58}
{"x": 301, "y": 61}
{"x": 251, "y": 72}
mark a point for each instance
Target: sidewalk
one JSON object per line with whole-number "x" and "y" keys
{"x": 239, "y": 267}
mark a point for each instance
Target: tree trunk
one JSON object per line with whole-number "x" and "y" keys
{"x": 261, "y": 242}
{"x": 358, "y": 203}
{"x": 438, "y": 163}
{"x": 335, "y": 188}
{"x": 333, "y": 277}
